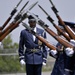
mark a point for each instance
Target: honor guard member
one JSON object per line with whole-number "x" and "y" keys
{"x": 72, "y": 41}
{"x": 70, "y": 55}
{"x": 58, "y": 68}
{"x": 35, "y": 54}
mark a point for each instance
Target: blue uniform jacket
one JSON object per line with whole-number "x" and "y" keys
{"x": 26, "y": 42}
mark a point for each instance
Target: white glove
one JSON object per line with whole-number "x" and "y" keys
{"x": 44, "y": 63}
{"x": 53, "y": 52}
{"x": 22, "y": 62}
{"x": 69, "y": 51}
{"x": 72, "y": 41}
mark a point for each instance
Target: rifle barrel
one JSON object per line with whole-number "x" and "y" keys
{"x": 43, "y": 10}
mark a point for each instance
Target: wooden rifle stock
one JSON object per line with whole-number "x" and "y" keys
{"x": 57, "y": 27}
{"x": 9, "y": 30}
{"x": 4, "y": 31}
{"x": 58, "y": 38}
{"x": 44, "y": 41}
{"x": 1, "y": 28}
{"x": 72, "y": 36}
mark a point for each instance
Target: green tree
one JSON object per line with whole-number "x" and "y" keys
{"x": 8, "y": 43}
{"x": 9, "y": 64}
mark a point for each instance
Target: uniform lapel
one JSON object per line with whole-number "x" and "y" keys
{"x": 31, "y": 36}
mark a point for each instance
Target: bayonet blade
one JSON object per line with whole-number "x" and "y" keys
{"x": 49, "y": 17}
{"x": 29, "y": 8}
{"x": 33, "y": 5}
{"x": 51, "y": 2}
{"x": 24, "y": 6}
{"x": 26, "y": 26}
{"x": 18, "y": 3}
{"x": 43, "y": 10}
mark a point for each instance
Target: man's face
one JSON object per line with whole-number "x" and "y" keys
{"x": 32, "y": 23}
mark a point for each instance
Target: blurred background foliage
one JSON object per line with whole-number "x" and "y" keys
{"x": 9, "y": 59}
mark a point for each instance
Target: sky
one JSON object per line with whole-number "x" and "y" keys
{"x": 65, "y": 8}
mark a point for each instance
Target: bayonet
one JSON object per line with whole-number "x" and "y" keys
{"x": 27, "y": 27}
{"x": 24, "y": 6}
{"x": 17, "y": 17}
{"x": 49, "y": 17}
{"x": 24, "y": 13}
{"x": 43, "y": 10}
{"x": 18, "y": 3}
{"x": 29, "y": 8}
{"x": 15, "y": 10}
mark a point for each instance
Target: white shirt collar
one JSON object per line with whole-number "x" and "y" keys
{"x": 35, "y": 29}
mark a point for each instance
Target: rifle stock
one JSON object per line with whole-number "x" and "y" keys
{"x": 58, "y": 38}
{"x": 71, "y": 34}
{"x": 57, "y": 27}
{"x": 6, "y": 22}
{"x": 9, "y": 30}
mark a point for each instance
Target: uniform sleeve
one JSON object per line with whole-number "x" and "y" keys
{"x": 44, "y": 49}
{"x": 21, "y": 46}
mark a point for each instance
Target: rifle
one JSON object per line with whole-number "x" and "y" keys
{"x": 57, "y": 27}
{"x": 17, "y": 20}
{"x": 64, "y": 42}
{"x": 71, "y": 34}
{"x": 11, "y": 15}
{"x": 43, "y": 40}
